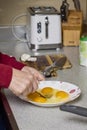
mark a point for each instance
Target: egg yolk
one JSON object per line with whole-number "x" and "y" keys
{"x": 62, "y": 95}
{"x": 47, "y": 91}
{"x": 32, "y": 96}
{"x": 40, "y": 99}
{"x": 36, "y": 97}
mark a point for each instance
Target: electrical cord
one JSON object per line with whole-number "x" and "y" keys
{"x": 13, "y": 28}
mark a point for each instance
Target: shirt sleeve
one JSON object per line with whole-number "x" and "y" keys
{"x": 5, "y": 75}
{"x": 6, "y": 65}
{"x": 11, "y": 61}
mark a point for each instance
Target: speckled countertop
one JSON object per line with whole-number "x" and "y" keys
{"x": 31, "y": 117}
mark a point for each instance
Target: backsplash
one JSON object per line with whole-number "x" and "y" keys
{"x": 12, "y": 8}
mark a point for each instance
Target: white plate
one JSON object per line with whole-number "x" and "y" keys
{"x": 73, "y": 90}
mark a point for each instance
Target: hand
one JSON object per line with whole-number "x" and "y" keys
{"x": 25, "y": 81}
{"x": 36, "y": 73}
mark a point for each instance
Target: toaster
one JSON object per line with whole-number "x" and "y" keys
{"x": 43, "y": 28}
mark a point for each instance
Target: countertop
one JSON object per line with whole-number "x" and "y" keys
{"x": 31, "y": 117}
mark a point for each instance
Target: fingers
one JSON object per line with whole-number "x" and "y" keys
{"x": 31, "y": 84}
{"x": 36, "y": 73}
{"x": 25, "y": 81}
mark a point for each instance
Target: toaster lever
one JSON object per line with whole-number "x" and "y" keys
{"x": 46, "y": 27}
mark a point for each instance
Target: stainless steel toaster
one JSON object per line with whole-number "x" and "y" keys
{"x": 43, "y": 28}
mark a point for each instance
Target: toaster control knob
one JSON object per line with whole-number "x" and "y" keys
{"x": 39, "y": 39}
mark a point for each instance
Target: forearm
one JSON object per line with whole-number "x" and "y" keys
{"x": 7, "y": 64}
{"x": 5, "y": 75}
